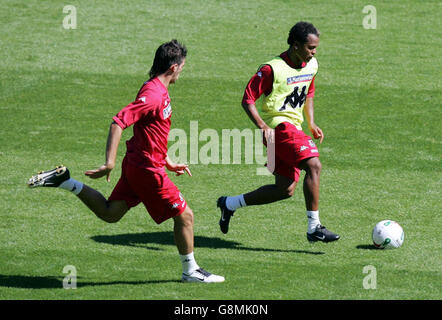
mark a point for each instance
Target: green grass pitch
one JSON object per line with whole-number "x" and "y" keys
{"x": 377, "y": 100}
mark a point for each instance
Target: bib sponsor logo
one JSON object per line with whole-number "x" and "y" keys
{"x": 300, "y": 78}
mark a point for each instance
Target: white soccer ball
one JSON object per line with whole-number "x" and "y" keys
{"x": 388, "y": 234}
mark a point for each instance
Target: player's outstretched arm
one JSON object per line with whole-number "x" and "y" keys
{"x": 113, "y": 140}
{"x": 309, "y": 115}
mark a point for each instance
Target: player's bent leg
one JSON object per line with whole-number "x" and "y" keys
{"x": 108, "y": 211}
{"x": 283, "y": 188}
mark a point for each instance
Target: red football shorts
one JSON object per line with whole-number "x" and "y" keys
{"x": 291, "y": 147}
{"x": 153, "y": 188}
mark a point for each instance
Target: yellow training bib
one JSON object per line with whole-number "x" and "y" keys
{"x": 290, "y": 87}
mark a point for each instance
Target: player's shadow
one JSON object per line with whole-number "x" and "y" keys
{"x": 52, "y": 282}
{"x": 144, "y": 240}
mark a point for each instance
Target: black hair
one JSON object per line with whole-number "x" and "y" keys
{"x": 300, "y": 31}
{"x": 166, "y": 55}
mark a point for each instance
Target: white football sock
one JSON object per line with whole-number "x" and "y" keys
{"x": 189, "y": 263}
{"x": 233, "y": 203}
{"x": 72, "y": 185}
{"x": 313, "y": 220}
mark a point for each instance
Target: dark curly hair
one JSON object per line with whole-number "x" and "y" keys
{"x": 166, "y": 55}
{"x": 300, "y": 31}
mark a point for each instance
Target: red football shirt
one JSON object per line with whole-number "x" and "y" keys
{"x": 262, "y": 82}
{"x": 150, "y": 114}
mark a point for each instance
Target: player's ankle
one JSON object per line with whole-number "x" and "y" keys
{"x": 312, "y": 220}
{"x": 189, "y": 263}
{"x": 235, "y": 202}
{"x": 72, "y": 185}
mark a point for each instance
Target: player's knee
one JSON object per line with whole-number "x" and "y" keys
{"x": 286, "y": 192}
{"x": 113, "y": 213}
{"x": 186, "y": 218}
{"x": 314, "y": 165}
{"x": 285, "y": 187}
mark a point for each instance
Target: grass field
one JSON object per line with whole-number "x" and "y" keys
{"x": 378, "y": 101}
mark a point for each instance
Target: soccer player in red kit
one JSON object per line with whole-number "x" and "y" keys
{"x": 286, "y": 84}
{"x": 143, "y": 178}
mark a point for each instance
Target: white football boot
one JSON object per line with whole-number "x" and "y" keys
{"x": 201, "y": 275}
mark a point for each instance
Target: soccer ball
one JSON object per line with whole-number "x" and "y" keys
{"x": 388, "y": 234}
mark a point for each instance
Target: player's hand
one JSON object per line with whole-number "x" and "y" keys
{"x": 104, "y": 170}
{"x": 268, "y": 134}
{"x": 317, "y": 132}
{"x": 178, "y": 168}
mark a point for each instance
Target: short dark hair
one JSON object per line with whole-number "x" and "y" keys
{"x": 166, "y": 55}
{"x": 300, "y": 31}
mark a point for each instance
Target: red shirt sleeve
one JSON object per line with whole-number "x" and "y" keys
{"x": 311, "y": 89}
{"x": 136, "y": 110}
{"x": 261, "y": 82}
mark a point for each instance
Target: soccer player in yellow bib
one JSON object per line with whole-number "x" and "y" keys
{"x": 286, "y": 86}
